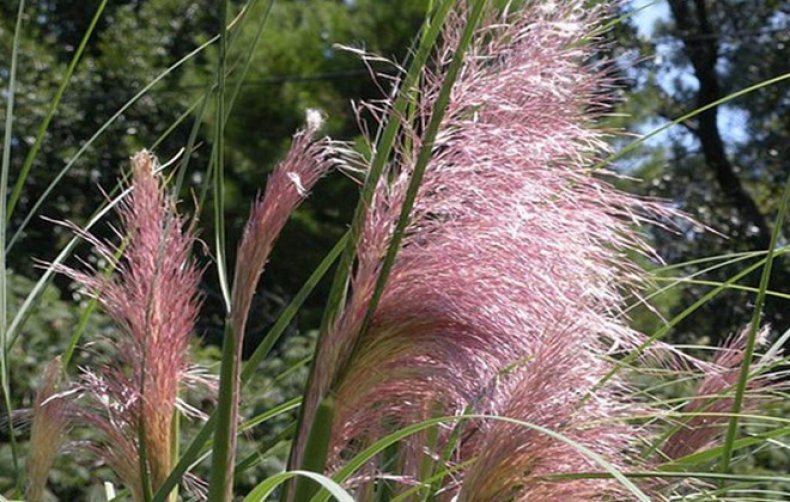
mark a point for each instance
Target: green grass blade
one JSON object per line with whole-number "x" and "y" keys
{"x": 142, "y": 92}
{"x": 677, "y": 281}
{"x": 265, "y": 488}
{"x": 384, "y": 148}
{"x": 317, "y": 447}
{"x": 42, "y": 129}
{"x": 25, "y": 310}
{"x": 690, "y": 115}
{"x": 4, "y": 169}
{"x": 709, "y": 455}
{"x": 219, "y": 160}
{"x": 315, "y": 453}
{"x": 743, "y": 377}
{"x": 222, "y": 459}
{"x": 737, "y": 287}
{"x": 222, "y": 455}
{"x": 377, "y": 447}
{"x": 664, "y": 330}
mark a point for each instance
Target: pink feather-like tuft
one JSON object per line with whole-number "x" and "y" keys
{"x": 154, "y": 301}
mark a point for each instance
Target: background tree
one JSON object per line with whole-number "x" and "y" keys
{"x": 727, "y": 166}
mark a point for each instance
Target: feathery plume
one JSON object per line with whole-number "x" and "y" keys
{"x": 154, "y": 301}
{"x": 515, "y": 251}
{"x": 705, "y": 415}
{"x": 288, "y": 185}
{"x": 51, "y": 421}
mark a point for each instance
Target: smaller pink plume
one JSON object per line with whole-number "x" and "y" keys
{"x": 706, "y": 415}
{"x": 51, "y": 421}
{"x": 288, "y": 185}
{"x": 154, "y": 301}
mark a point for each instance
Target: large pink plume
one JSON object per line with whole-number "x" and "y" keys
{"x": 154, "y": 301}
{"x": 516, "y": 251}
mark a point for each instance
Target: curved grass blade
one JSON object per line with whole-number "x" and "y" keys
{"x": 4, "y": 168}
{"x": 34, "y": 210}
{"x": 265, "y": 488}
{"x": 42, "y": 129}
{"x": 743, "y": 377}
{"x": 368, "y": 453}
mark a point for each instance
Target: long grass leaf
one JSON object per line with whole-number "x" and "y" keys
{"x": 142, "y": 92}
{"x": 266, "y": 487}
{"x": 377, "y": 447}
{"x": 751, "y": 340}
{"x": 6, "y": 166}
{"x": 53, "y": 106}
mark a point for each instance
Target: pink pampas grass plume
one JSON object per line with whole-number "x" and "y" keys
{"x": 706, "y": 414}
{"x": 51, "y": 422}
{"x": 288, "y": 185}
{"x": 154, "y": 301}
{"x": 516, "y": 250}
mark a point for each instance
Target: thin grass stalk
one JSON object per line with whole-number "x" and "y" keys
{"x": 424, "y": 157}
{"x": 221, "y": 475}
{"x": 219, "y": 158}
{"x": 205, "y": 450}
{"x": 667, "y": 327}
{"x": 317, "y": 446}
{"x": 737, "y": 287}
{"x": 42, "y": 128}
{"x": 690, "y": 278}
{"x": 25, "y": 311}
{"x": 6, "y": 166}
{"x": 384, "y": 148}
{"x": 690, "y": 115}
{"x": 743, "y": 377}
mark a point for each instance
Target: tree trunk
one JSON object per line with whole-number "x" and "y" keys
{"x": 702, "y": 47}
